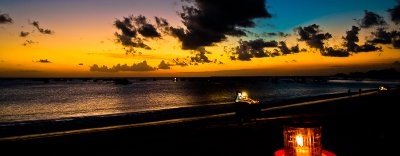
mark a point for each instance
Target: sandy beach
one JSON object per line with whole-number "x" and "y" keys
{"x": 352, "y": 124}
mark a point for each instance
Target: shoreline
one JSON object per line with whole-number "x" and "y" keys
{"x": 350, "y": 127}
{"x": 44, "y": 126}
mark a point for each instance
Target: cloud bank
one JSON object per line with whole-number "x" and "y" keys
{"x": 43, "y": 61}
{"x": 208, "y": 21}
{"x": 142, "y": 66}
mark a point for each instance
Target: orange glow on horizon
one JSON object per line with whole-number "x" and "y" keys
{"x": 74, "y": 48}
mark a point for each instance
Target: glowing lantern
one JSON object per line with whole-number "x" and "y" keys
{"x": 302, "y": 141}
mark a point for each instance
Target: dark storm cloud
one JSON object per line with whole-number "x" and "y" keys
{"x": 128, "y": 34}
{"x": 181, "y": 62}
{"x": 131, "y": 42}
{"x": 312, "y": 36}
{"x": 371, "y": 19}
{"x": 43, "y": 61}
{"x": 381, "y": 36}
{"x": 335, "y": 52}
{"x": 395, "y": 13}
{"x": 200, "y": 56}
{"x": 350, "y": 44}
{"x": 396, "y": 40}
{"x": 144, "y": 28}
{"x": 131, "y": 26}
{"x": 139, "y": 20}
{"x": 210, "y": 21}
{"x": 256, "y": 49}
{"x": 96, "y": 68}
{"x": 351, "y": 40}
{"x": 126, "y": 27}
{"x": 23, "y": 34}
{"x": 142, "y": 66}
{"x": 367, "y": 47}
{"x": 5, "y": 18}
{"x": 148, "y": 30}
{"x": 259, "y": 43}
{"x": 161, "y": 22}
{"x": 164, "y": 65}
{"x": 286, "y": 50}
{"x": 163, "y": 25}
{"x": 274, "y": 53}
{"x": 41, "y": 30}
{"x": 253, "y": 48}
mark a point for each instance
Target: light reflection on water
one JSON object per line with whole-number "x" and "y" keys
{"x": 24, "y": 100}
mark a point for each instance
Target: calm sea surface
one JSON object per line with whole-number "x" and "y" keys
{"x": 23, "y": 100}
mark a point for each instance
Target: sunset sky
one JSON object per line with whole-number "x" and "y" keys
{"x": 85, "y": 38}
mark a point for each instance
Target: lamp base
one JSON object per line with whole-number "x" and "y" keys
{"x": 324, "y": 153}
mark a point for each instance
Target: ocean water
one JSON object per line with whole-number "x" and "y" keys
{"x": 27, "y": 100}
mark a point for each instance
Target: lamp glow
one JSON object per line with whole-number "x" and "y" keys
{"x": 302, "y": 141}
{"x": 299, "y": 140}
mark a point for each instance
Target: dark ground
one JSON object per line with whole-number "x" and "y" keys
{"x": 362, "y": 125}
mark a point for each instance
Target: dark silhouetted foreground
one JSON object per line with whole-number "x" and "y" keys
{"x": 361, "y": 125}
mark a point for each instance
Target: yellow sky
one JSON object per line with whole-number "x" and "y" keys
{"x": 93, "y": 43}
{"x": 66, "y": 52}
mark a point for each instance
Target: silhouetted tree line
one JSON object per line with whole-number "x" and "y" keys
{"x": 390, "y": 73}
